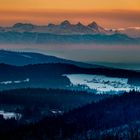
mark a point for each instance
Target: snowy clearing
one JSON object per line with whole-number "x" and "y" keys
{"x": 15, "y": 82}
{"x": 10, "y": 115}
{"x": 101, "y": 83}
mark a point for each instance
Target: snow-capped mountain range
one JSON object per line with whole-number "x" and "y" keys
{"x": 67, "y": 28}
{"x": 63, "y": 28}
{"x": 68, "y": 33}
{"x": 130, "y": 31}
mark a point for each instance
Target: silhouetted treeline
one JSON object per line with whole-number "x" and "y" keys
{"x": 110, "y": 113}
{"x": 41, "y": 97}
{"x": 37, "y": 103}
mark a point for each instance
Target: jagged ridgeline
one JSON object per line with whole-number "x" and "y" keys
{"x": 65, "y": 32}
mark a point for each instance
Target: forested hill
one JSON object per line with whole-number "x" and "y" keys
{"x": 88, "y": 122}
{"x": 25, "y": 58}
{"x": 53, "y": 75}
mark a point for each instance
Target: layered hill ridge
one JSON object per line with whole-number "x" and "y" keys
{"x": 26, "y": 58}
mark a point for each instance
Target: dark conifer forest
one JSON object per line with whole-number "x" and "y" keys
{"x": 114, "y": 117}
{"x": 41, "y": 102}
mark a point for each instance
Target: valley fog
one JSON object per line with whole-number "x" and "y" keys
{"x": 120, "y": 56}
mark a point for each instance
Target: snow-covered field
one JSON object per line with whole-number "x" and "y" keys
{"x": 9, "y": 115}
{"x": 15, "y": 82}
{"x": 101, "y": 83}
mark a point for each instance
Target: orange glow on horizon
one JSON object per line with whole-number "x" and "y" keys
{"x": 45, "y": 11}
{"x": 70, "y": 4}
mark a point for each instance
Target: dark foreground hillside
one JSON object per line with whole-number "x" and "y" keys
{"x": 93, "y": 121}
{"x": 34, "y": 104}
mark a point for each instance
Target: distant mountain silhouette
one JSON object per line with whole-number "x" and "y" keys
{"x": 65, "y": 32}
{"x": 63, "y": 28}
{"x": 130, "y": 31}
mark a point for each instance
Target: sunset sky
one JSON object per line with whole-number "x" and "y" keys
{"x": 108, "y": 13}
